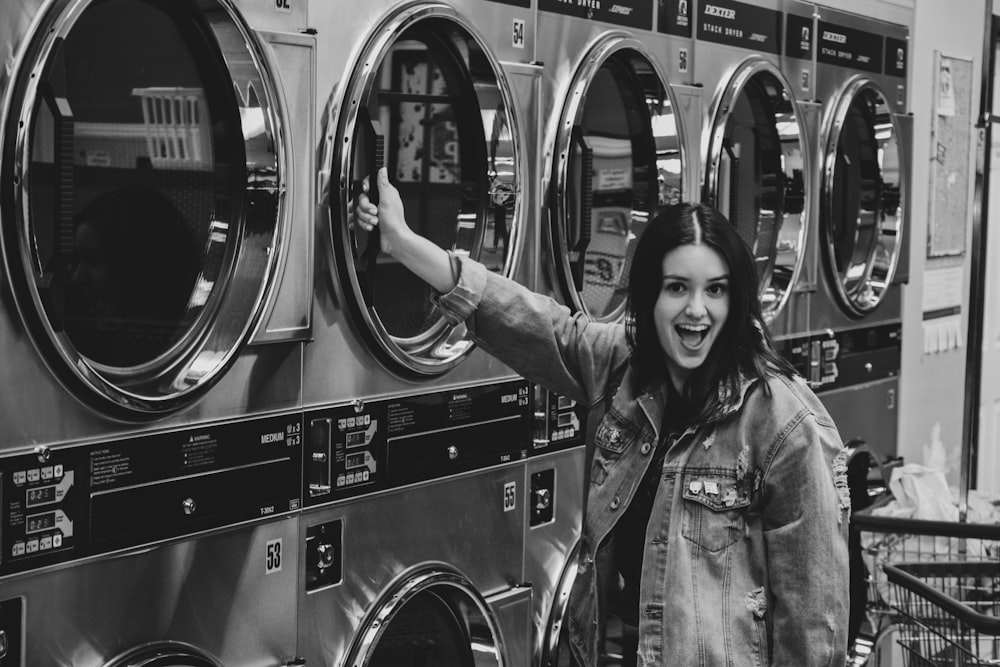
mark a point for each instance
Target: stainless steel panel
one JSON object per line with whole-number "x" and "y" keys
{"x": 459, "y": 524}
{"x": 224, "y": 594}
{"x": 259, "y": 379}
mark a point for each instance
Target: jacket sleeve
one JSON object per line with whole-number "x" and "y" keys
{"x": 805, "y": 529}
{"x": 537, "y": 337}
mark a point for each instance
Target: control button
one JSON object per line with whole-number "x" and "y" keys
{"x": 33, "y": 474}
{"x": 189, "y": 506}
{"x": 452, "y": 452}
{"x": 365, "y": 475}
{"x": 18, "y": 549}
{"x": 47, "y": 473}
{"x": 543, "y": 499}
{"x": 57, "y": 470}
{"x": 3, "y": 644}
{"x": 57, "y": 540}
{"x": 32, "y": 546}
{"x": 616, "y": 502}
{"x": 326, "y": 555}
{"x": 45, "y": 543}
{"x": 20, "y": 477}
{"x": 350, "y": 478}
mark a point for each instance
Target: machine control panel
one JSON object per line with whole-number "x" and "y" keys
{"x": 65, "y": 503}
{"x": 365, "y": 447}
{"x": 846, "y": 358}
{"x": 559, "y": 421}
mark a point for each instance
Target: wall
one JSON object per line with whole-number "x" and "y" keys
{"x": 933, "y": 385}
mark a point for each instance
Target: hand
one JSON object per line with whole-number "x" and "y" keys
{"x": 388, "y": 216}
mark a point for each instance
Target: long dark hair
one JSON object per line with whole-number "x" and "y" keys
{"x": 743, "y": 347}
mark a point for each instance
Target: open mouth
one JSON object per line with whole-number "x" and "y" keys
{"x": 692, "y": 335}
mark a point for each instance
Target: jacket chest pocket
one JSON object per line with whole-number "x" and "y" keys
{"x": 714, "y": 510}
{"x": 614, "y": 436}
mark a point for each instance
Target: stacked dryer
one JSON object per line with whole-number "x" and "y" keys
{"x": 860, "y": 246}
{"x": 616, "y": 147}
{"x": 414, "y": 489}
{"x": 155, "y": 160}
{"x": 755, "y": 143}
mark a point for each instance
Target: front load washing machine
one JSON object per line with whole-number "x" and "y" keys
{"x": 173, "y": 548}
{"x": 415, "y": 486}
{"x": 754, "y": 145}
{"x": 617, "y": 146}
{"x": 852, "y": 354}
{"x": 421, "y": 89}
{"x": 415, "y": 569}
{"x": 156, "y": 170}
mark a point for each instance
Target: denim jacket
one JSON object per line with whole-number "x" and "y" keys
{"x": 746, "y": 549}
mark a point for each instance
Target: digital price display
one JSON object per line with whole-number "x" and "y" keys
{"x": 355, "y": 438}
{"x": 356, "y": 460}
{"x": 40, "y": 495}
{"x": 39, "y": 522}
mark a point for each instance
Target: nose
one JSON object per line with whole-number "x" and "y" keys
{"x": 695, "y": 307}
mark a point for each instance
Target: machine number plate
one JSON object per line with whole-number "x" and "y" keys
{"x": 272, "y": 557}
{"x": 517, "y": 35}
{"x": 509, "y": 496}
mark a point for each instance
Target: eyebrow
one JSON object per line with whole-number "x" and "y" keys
{"x": 674, "y": 276}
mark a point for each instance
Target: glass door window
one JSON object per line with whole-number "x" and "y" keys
{"x": 436, "y": 112}
{"x": 862, "y": 199}
{"x": 756, "y": 176}
{"x": 139, "y": 178}
{"x": 620, "y": 158}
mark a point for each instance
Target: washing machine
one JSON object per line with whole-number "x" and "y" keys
{"x": 755, "y": 141}
{"x": 618, "y": 143}
{"x": 439, "y": 94}
{"x": 853, "y": 350}
{"x": 415, "y": 485}
{"x": 173, "y": 548}
{"x": 156, "y": 227}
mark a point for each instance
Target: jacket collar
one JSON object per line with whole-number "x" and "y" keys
{"x": 729, "y": 400}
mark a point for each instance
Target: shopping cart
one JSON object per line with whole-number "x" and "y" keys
{"x": 936, "y": 584}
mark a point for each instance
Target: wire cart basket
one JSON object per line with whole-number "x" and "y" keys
{"x": 936, "y": 583}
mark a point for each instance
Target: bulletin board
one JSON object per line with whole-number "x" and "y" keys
{"x": 951, "y": 141}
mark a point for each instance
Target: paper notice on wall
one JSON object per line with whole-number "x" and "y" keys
{"x": 942, "y": 334}
{"x": 942, "y": 309}
{"x": 946, "y": 91}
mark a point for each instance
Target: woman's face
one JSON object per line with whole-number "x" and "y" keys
{"x": 692, "y": 307}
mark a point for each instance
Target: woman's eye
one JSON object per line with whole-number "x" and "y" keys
{"x": 674, "y": 287}
{"x": 718, "y": 289}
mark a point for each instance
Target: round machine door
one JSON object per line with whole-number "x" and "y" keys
{"x": 164, "y": 654}
{"x": 142, "y": 171}
{"x": 436, "y": 618}
{"x": 861, "y": 204}
{"x": 618, "y": 156}
{"x": 755, "y": 157}
{"x": 430, "y": 103}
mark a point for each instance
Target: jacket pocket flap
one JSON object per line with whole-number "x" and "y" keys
{"x": 718, "y": 495}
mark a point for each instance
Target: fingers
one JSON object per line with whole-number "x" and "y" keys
{"x": 365, "y": 212}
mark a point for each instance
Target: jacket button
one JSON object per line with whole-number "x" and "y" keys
{"x": 615, "y": 502}
{"x": 645, "y": 448}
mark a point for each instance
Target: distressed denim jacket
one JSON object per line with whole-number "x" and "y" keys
{"x": 746, "y": 548}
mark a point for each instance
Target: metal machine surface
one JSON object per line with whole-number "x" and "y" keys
{"x": 156, "y": 169}
{"x": 421, "y": 89}
{"x": 417, "y": 438}
{"x": 175, "y": 548}
{"x": 617, "y": 145}
{"x": 421, "y": 561}
{"x": 852, "y": 350}
{"x": 755, "y": 142}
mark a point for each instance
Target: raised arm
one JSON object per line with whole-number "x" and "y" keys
{"x": 420, "y": 255}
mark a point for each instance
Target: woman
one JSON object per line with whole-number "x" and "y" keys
{"x": 718, "y": 501}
